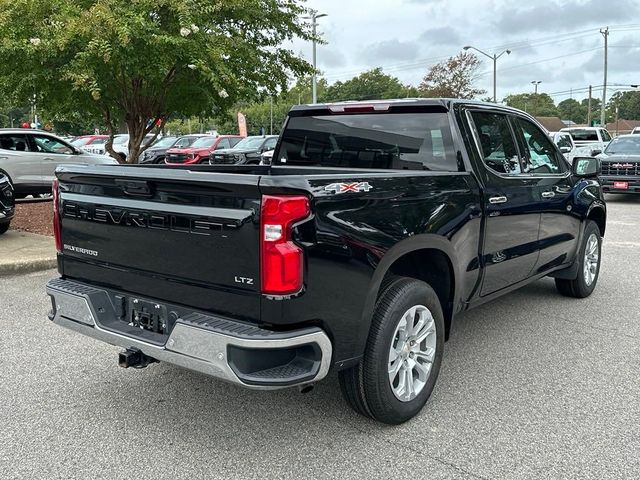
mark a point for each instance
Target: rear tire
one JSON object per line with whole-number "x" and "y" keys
{"x": 589, "y": 259}
{"x": 402, "y": 357}
{"x": 4, "y": 227}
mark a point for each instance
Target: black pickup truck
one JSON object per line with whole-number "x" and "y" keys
{"x": 375, "y": 225}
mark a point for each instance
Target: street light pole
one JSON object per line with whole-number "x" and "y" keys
{"x": 314, "y": 81}
{"x": 494, "y": 58}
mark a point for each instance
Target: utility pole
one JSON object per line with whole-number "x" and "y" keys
{"x": 535, "y": 96}
{"x": 314, "y": 80}
{"x": 589, "y": 107}
{"x": 605, "y": 34}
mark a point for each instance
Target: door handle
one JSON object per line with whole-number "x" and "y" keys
{"x": 548, "y": 194}
{"x": 496, "y": 200}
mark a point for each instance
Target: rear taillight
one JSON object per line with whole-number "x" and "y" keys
{"x": 56, "y": 215}
{"x": 282, "y": 260}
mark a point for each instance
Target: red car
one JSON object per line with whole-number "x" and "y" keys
{"x": 84, "y": 140}
{"x": 199, "y": 150}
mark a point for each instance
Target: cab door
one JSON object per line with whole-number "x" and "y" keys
{"x": 509, "y": 251}
{"x": 546, "y": 168}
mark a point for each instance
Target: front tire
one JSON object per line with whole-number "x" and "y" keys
{"x": 589, "y": 259}
{"x": 4, "y": 227}
{"x": 403, "y": 354}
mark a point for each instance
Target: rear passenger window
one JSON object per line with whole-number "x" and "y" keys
{"x": 15, "y": 142}
{"x": 383, "y": 140}
{"x": 497, "y": 146}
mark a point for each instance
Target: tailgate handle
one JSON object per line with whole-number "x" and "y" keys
{"x": 139, "y": 188}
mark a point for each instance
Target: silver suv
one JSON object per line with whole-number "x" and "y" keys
{"x": 29, "y": 158}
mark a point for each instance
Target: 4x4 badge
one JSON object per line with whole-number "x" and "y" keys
{"x": 354, "y": 187}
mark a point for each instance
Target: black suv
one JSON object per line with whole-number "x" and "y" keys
{"x": 246, "y": 152}
{"x": 7, "y": 204}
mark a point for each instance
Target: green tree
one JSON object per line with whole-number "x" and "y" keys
{"x": 628, "y": 104}
{"x": 540, "y": 105}
{"x": 139, "y": 63}
{"x": 453, "y": 78}
{"x": 370, "y": 85}
{"x": 571, "y": 109}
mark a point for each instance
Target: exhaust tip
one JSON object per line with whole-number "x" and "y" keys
{"x": 306, "y": 388}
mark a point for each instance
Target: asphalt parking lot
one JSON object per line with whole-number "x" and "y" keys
{"x": 533, "y": 386}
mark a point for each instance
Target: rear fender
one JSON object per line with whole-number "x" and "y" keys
{"x": 405, "y": 247}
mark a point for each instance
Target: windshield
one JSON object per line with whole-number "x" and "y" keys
{"x": 403, "y": 141}
{"x": 249, "y": 142}
{"x": 165, "y": 142}
{"x": 204, "y": 142}
{"x": 81, "y": 142}
{"x": 120, "y": 139}
{"x": 584, "y": 135}
{"x": 626, "y": 145}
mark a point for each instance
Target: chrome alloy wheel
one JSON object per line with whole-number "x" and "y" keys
{"x": 591, "y": 258}
{"x": 412, "y": 352}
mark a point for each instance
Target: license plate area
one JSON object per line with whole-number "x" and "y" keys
{"x": 149, "y": 316}
{"x": 621, "y": 185}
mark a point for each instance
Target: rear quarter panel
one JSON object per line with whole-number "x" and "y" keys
{"x": 353, "y": 238}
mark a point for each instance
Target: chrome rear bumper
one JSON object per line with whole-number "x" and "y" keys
{"x": 206, "y": 344}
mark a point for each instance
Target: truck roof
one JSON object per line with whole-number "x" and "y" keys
{"x": 445, "y": 103}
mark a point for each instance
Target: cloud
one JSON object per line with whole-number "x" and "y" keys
{"x": 390, "y": 50}
{"x": 562, "y": 16}
{"x": 331, "y": 58}
{"x": 441, "y": 36}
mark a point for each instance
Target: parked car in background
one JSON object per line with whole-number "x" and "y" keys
{"x": 565, "y": 143}
{"x": 621, "y": 165}
{"x": 635, "y": 131}
{"x": 7, "y": 203}
{"x": 121, "y": 144}
{"x": 200, "y": 150}
{"x": 248, "y": 151}
{"x": 158, "y": 152}
{"x": 588, "y": 139}
{"x": 29, "y": 157}
{"x": 83, "y": 141}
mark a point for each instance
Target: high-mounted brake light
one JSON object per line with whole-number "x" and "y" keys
{"x": 281, "y": 259}
{"x": 359, "y": 108}
{"x": 56, "y": 215}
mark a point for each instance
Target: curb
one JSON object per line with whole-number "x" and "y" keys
{"x": 28, "y": 266}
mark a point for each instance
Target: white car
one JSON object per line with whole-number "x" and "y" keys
{"x": 121, "y": 144}
{"x": 29, "y": 158}
{"x": 635, "y": 131}
{"x": 589, "y": 139}
{"x": 565, "y": 143}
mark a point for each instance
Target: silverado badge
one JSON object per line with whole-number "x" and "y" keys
{"x": 354, "y": 187}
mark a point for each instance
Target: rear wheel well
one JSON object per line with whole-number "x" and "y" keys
{"x": 2, "y": 172}
{"x": 433, "y": 267}
{"x": 598, "y": 216}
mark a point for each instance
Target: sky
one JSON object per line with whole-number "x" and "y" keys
{"x": 556, "y": 42}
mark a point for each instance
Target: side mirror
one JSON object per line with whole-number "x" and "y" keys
{"x": 595, "y": 152}
{"x": 565, "y": 149}
{"x": 586, "y": 167}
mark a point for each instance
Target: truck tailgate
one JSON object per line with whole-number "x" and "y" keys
{"x": 193, "y": 236}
